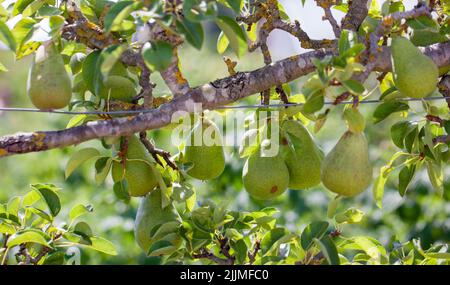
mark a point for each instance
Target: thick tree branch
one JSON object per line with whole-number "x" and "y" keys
{"x": 357, "y": 12}
{"x": 212, "y": 95}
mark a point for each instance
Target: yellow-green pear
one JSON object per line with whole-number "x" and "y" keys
{"x": 119, "y": 88}
{"x": 415, "y": 74}
{"x": 138, "y": 173}
{"x": 346, "y": 170}
{"x": 49, "y": 86}
{"x": 204, "y": 150}
{"x": 156, "y": 228}
{"x": 305, "y": 160}
{"x": 265, "y": 177}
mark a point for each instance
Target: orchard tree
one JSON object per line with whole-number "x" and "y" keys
{"x": 95, "y": 59}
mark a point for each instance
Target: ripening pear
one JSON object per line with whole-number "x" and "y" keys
{"x": 265, "y": 177}
{"x": 205, "y": 151}
{"x": 415, "y": 74}
{"x": 119, "y": 88}
{"x": 305, "y": 160}
{"x": 154, "y": 224}
{"x": 346, "y": 170}
{"x": 49, "y": 86}
{"x": 138, "y": 173}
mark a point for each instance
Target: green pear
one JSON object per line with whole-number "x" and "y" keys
{"x": 119, "y": 88}
{"x": 76, "y": 62}
{"x": 49, "y": 86}
{"x": 346, "y": 170}
{"x": 305, "y": 160}
{"x": 415, "y": 74}
{"x": 207, "y": 157}
{"x": 265, "y": 177}
{"x": 138, "y": 173}
{"x": 156, "y": 229}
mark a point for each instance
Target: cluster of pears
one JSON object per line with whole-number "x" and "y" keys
{"x": 204, "y": 152}
{"x": 300, "y": 164}
{"x": 296, "y": 165}
{"x": 415, "y": 74}
{"x": 117, "y": 85}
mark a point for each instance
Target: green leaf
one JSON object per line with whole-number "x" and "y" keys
{"x": 236, "y": 5}
{"x": 222, "y": 43}
{"x": 119, "y": 12}
{"x": 28, "y": 236}
{"x": 354, "y": 86}
{"x": 234, "y": 34}
{"x": 83, "y": 229}
{"x": 79, "y": 158}
{"x": 90, "y": 72}
{"x": 399, "y": 131}
{"x": 79, "y": 210}
{"x": 48, "y": 193}
{"x": 198, "y": 10}
{"x": 436, "y": 175}
{"x": 387, "y": 108}
{"x": 328, "y": 249}
{"x": 102, "y": 167}
{"x": 158, "y": 56}
{"x": 271, "y": 237}
{"x": 438, "y": 255}
{"x": 40, "y": 213}
{"x": 192, "y": 31}
{"x": 33, "y": 7}
{"x": 315, "y": 230}
{"x": 7, "y": 37}
{"x": 6, "y": 228}
{"x": 102, "y": 245}
{"x": 314, "y": 103}
{"x": 404, "y": 178}
{"x": 20, "y": 6}
{"x": 13, "y": 206}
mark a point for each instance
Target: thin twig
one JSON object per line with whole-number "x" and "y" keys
{"x": 155, "y": 152}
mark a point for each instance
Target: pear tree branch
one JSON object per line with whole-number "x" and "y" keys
{"x": 211, "y": 95}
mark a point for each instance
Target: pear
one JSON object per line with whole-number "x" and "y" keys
{"x": 346, "y": 170}
{"x": 119, "y": 88}
{"x": 76, "y": 62}
{"x": 265, "y": 177}
{"x": 155, "y": 226}
{"x": 415, "y": 74}
{"x": 207, "y": 157}
{"x": 49, "y": 86}
{"x": 305, "y": 160}
{"x": 139, "y": 174}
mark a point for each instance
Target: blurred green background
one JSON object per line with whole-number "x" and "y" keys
{"x": 420, "y": 214}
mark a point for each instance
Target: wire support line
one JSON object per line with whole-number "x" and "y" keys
{"x": 141, "y": 111}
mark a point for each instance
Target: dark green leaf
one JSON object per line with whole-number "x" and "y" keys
{"x": 49, "y": 195}
{"x": 312, "y": 231}
{"x": 404, "y": 178}
{"x": 192, "y": 31}
{"x": 328, "y": 249}
{"x": 119, "y": 12}
{"x": 159, "y": 56}
{"x": 385, "y": 109}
